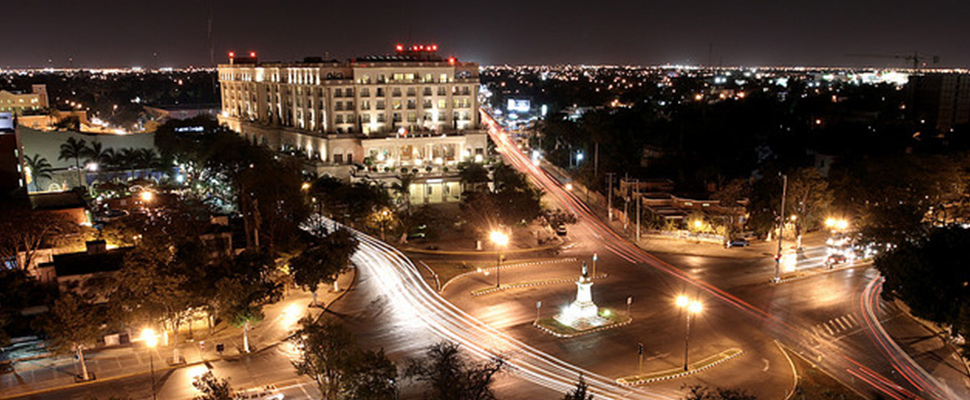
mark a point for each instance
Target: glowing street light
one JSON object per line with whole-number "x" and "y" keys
{"x": 837, "y": 224}
{"x": 151, "y": 340}
{"x": 146, "y": 196}
{"x": 500, "y": 240}
{"x": 692, "y": 306}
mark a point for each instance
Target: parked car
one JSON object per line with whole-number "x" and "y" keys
{"x": 112, "y": 214}
{"x": 737, "y": 243}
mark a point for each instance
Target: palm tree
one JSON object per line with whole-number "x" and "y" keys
{"x": 73, "y": 148}
{"x": 95, "y": 154}
{"x": 39, "y": 168}
{"x": 126, "y": 159}
{"x": 147, "y": 159}
{"x": 403, "y": 189}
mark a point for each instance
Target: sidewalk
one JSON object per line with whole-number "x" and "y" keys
{"x": 282, "y": 319}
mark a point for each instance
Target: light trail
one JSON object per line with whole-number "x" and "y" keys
{"x": 412, "y": 297}
{"x": 901, "y": 362}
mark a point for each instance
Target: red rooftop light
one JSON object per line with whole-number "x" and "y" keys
{"x": 252, "y": 54}
{"x": 399, "y": 47}
{"x": 232, "y": 54}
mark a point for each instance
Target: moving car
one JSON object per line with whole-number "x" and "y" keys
{"x": 561, "y": 229}
{"x": 737, "y": 243}
{"x": 833, "y": 259}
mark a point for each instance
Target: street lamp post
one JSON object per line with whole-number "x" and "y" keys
{"x": 691, "y": 306}
{"x": 151, "y": 340}
{"x": 500, "y": 240}
{"x": 595, "y": 257}
{"x": 781, "y": 226}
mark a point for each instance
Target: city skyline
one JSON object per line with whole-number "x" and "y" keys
{"x": 175, "y": 34}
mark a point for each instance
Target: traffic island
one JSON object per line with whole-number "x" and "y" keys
{"x": 674, "y": 373}
{"x": 517, "y": 285}
{"x": 558, "y": 329}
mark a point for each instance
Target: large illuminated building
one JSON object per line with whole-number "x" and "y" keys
{"x": 412, "y": 108}
{"x": 18, "y": 103}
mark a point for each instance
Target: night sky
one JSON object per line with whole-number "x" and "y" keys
{"x": 757, "y": 32}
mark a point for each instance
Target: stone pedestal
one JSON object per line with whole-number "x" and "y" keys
{"x": 582, "y": 313}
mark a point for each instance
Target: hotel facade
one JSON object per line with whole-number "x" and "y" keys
{"x": 409, "y": 109}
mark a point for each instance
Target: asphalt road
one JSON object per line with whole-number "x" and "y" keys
{"x": 829, "y": 318}
{"x": 792, "y": 312}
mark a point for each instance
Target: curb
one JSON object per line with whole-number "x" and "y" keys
{"x": 944, "y": 336}
{"x": 812, "y": 274}
{"x": 508, "y": 266}
{"x": 554, "y": 281}
{"x": 109, "y": 379}
{"x": 624, "y": 382}
{"x": 586, "y": 332}
{"x": 478, "y": 252}
{"x": 353, "y": 283}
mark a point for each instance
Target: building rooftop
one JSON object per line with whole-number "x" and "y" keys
{"x": 95, "y": 259}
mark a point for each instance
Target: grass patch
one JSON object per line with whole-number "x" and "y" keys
{"x": 554, "y": 326}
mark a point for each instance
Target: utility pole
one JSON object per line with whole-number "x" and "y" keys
{"x": 638, "y": 209}
{"x": 781, "y": 226}
{"x": 596, "y": 160}
{"x": 609, "y": 196}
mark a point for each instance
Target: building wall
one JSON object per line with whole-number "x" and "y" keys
{"x": 369, "y": 97}
{"x": 17, "y": 103}
{"x": 11, "y": 158}
{"x": 398, "y": 113}
{"x": 942, "y": 100}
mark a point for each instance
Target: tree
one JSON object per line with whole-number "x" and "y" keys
{"x": 809, "y": 197}
{"x": 323, "y": 261}
{"x": 373, "y": 377}
{"x": 704, "y": 393}
{"x": 245, "y": 287}
{"x": 472, "y": 175}
{"x": 72, "y": 326}
{"x": 403, "y": 189}
{"x": 329, "y": 355}
{"x": 447, "y": 375}
{"x": 39, "y": 168}
{"x": 581, "y": 391}
{"x": 148, "y": 290}
{"x": 73, "y": 149}
{"x": 212, "y": 388}
{"x": 25, "y": 230}
{"x": 512, "y": 201}
{"x": 929, "y": 275}
{"x": 94, "y": 153}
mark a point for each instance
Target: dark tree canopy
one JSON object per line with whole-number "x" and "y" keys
{"x": 447, "y": 375}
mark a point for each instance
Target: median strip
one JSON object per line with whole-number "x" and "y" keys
{"x": 543, "y": 282}
{"x": 674, "y": 373}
